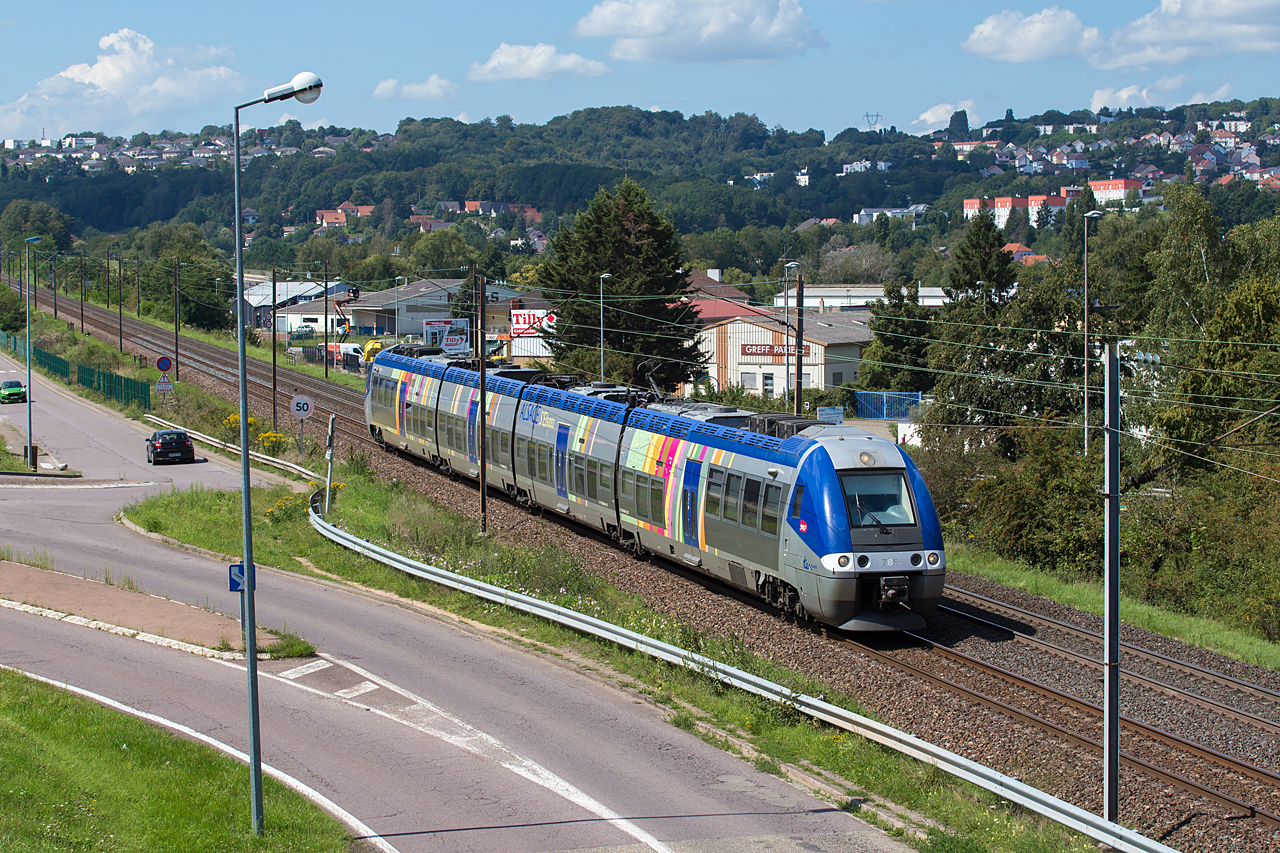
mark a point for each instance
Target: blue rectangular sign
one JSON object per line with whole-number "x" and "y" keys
{"x": 235, "y": 573}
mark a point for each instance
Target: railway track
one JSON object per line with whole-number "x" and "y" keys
{"x": 1155, "y": 801}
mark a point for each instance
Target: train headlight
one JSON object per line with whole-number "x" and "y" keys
{"x": 915, "y": 559}
{"x": 843, "y": 561}
{"x": 866, "y": 457}
{"x": 863, "y": 561}
{"x": 933, "y": 558}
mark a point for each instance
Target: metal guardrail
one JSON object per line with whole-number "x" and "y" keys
{"x": 235, "y": 448}
{"x": 1062, "y": 812}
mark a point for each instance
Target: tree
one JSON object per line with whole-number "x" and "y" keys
{"x": 1242, "y": 345}
{"x": 983, "y": 271}
{"x": 958, "y": 129}
{"x": 442, "y": 254}
{"x": 648, "y": 330}
{"x": 898, "y": 358}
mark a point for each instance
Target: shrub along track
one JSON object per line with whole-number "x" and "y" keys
{"x": 930, "y": 710}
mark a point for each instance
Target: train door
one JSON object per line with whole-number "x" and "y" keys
{"x": 473, "y": 411}
{"x": 689, "y": 502}
{"x": 402, "y": 395}
{"x": 561, "y": 460}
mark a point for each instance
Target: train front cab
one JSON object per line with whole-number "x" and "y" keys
{"x": 861, "y": 528}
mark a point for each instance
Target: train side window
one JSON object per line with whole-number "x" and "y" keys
{"x": 579, "y": 475}
{"x": 593, "y": 479}
{"x": 769, "y": 513}
{"x": 657, "y": 501}
{"x": 732, "y": 492}
{"x": 642, "y": 496}
{"x": 504, "y": 445}
{"x": 795, "y": 500}
{"x": 606, "y": 478}
{"x": 520, "y": 450}
{"x": 715, "y": 491}
{"x": 542, "y": 464}
{"x": 751, "y": 503}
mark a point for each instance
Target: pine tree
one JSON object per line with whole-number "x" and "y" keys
{"x": 648, "y": 331}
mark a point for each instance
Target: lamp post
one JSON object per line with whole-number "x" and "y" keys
{"x": 395, "y": 305}
{"x": 1088, "y": 217}
{"x": 305, "y": 87}
{"x": 602, "y": 278}
{"x": 26, "y": 274}
{"x": 786, "y": 322}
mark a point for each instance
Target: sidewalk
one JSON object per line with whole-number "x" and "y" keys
{"x": 108, "y": 607}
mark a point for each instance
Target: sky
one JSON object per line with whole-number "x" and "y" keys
{"x": 798, "y": 64}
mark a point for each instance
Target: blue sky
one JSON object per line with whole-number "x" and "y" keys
{"x": 814, "y": 63}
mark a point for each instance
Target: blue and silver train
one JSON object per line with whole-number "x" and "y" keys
{"x": 826, "y": 522}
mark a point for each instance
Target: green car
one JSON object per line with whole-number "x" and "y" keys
{"x": 12, "y": 391}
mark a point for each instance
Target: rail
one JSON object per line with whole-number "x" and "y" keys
{"x": 1062, "y": 812}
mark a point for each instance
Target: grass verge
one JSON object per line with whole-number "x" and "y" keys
{"x": 877, "y": 781}
{"x": 1089, "y": 596}
{"x": 78, "y": 776}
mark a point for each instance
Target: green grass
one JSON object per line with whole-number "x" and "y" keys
{"x": 77, "y": 776}
{"x": 401, "y": 520}
{"x": 1089, "y": 596}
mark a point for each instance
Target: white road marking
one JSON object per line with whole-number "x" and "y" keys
{"x": 305, "y": 669}
{"x": 432, "y": 720}
{"x": 352, "y": 822}
{"x": 359, "y": 690}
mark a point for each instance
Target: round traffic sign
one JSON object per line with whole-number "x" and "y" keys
{"x": 164, "y": 364}
{"x": 301, "y": 406}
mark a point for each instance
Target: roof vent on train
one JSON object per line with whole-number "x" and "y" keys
{"x": 778, "y": 425}
{"x": 730, "y": 416}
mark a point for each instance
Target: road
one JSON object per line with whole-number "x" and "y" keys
{"x": 436, "y": 735}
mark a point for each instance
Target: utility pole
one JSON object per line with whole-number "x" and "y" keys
{"x": 799, "y": 340}
{"x": 82, "y": 293}
{"x": 484, "y": 419}
{"x": 176, "y": 321}
{"x": 1111, "y": 609}
{"x": 326, "y": 319}
{"x": 120, "y": 301}
{"x": 274, "y": 303}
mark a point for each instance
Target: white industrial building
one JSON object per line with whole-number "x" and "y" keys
{"x": 758, "y": 351}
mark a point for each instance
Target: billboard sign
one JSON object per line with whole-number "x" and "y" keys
{"x": 530, "y": 323}
{"x": 450, "y": 334}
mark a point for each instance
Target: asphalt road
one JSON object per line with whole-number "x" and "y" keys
{"x": 437, "y": 736}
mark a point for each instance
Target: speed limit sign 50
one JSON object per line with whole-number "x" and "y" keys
{"x": 301, "y": 406}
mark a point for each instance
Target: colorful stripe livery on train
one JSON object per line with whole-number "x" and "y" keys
{"x": 825, "y": 522}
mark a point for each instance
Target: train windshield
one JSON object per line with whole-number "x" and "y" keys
{"x": 877, "y": 498}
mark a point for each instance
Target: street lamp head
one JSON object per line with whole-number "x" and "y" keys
{"x": 32, "y": 240}
{"x": 1095, "y": 214}
{"x": 304, "y": 87}
{"x": 606, "y": 275}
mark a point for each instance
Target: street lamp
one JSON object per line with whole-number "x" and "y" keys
{"x": 786, "y": 321}
{"x": 396, "y": 304}
{"x": 1089, "y": 216}
{"x": 602, "y": 278}
{"x": 305, "y": 87}
{"x": 31, "y": 455}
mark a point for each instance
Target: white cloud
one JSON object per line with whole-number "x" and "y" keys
{"x": 1222, "y": 93}
{"x": 701, "y": 30}
{"x": 1137, "y": 96}
{"x": 939, "y": 116}
{"x": 1177, "y": 31}
{"x": 435, "y": 88}
{"x": 1011, "y": 36}
{"x": 133, "y": 81}
{"x": 463, "y": 117}
{"x": 534, "y": 62}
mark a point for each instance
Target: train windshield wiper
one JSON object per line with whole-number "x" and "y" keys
{"x": 857, "y": 502}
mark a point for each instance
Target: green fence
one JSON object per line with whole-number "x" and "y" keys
{"x": 127, "y": 391}
{"x": 53, "y": 364}
{"x": 16, "y": 344}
